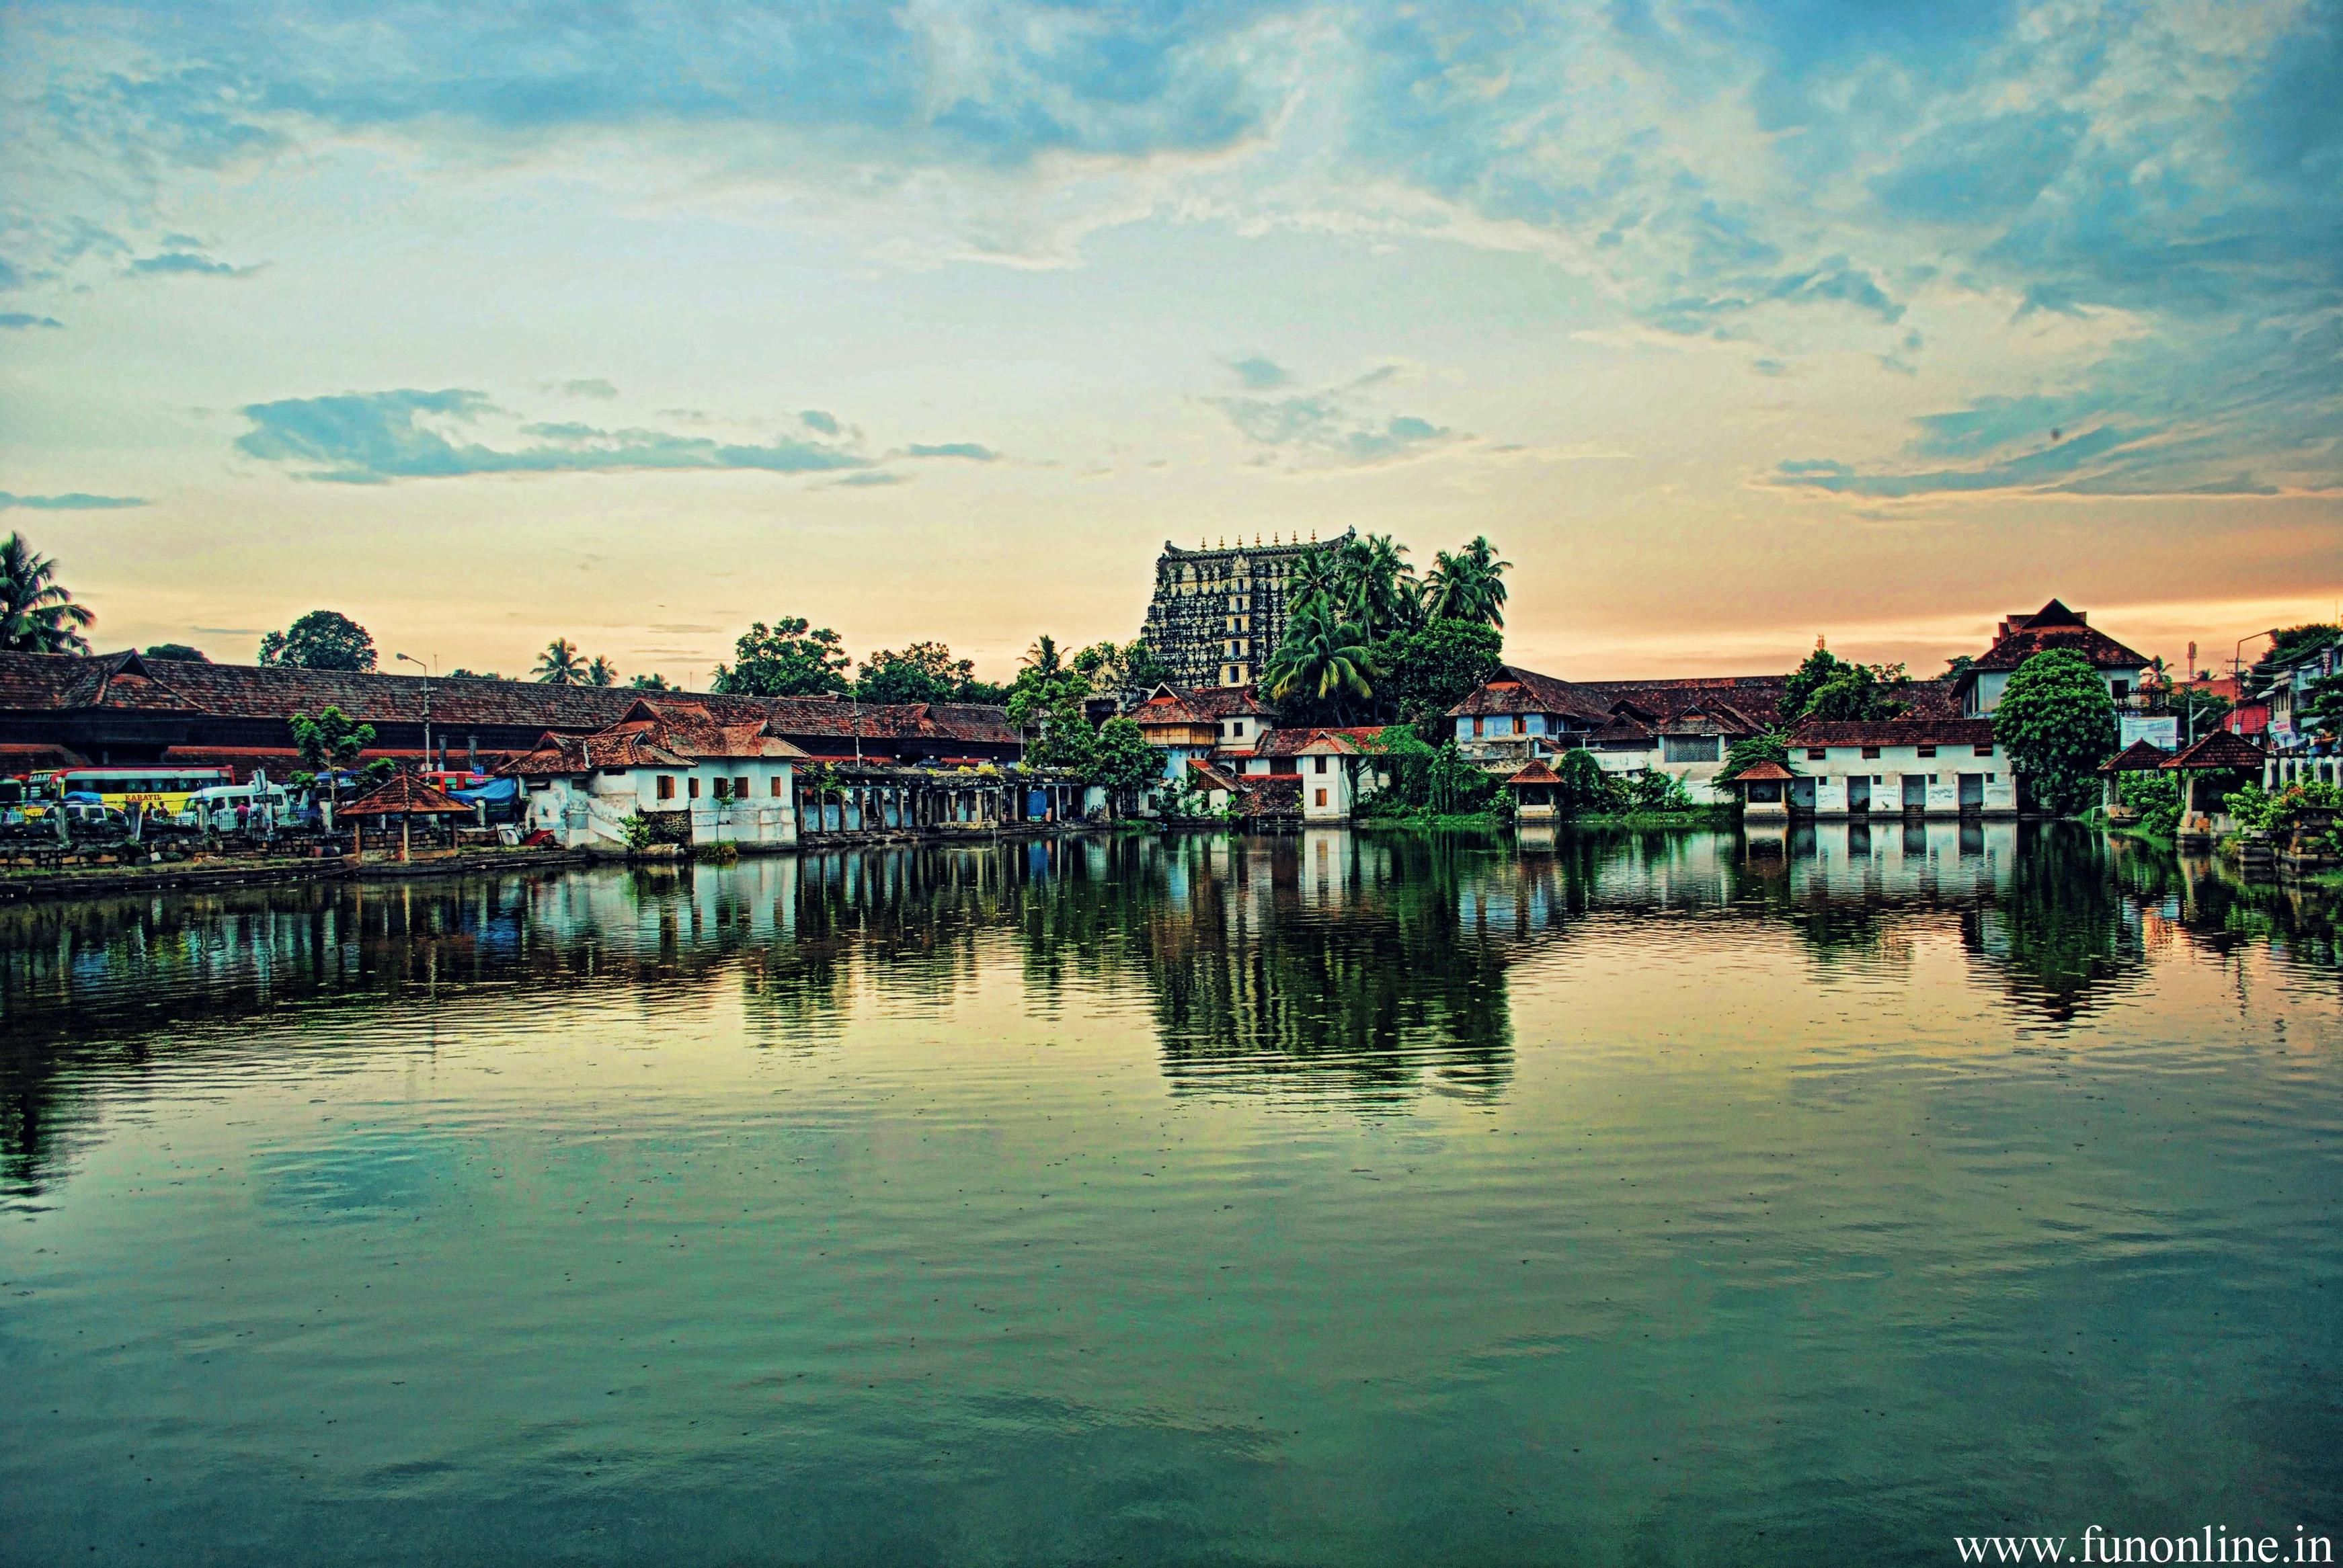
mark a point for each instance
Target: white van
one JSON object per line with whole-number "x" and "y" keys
{"x": 216, "y": 805}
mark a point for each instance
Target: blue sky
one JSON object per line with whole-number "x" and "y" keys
{"x": 1733, "y": 326}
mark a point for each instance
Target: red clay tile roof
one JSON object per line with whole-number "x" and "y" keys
{"x": 1513, "y": 689}
{"x": 1354, "y": 741}
{"x": 1215, "y": 778}
{"x": 1765, "y": 772}
{"x": 405, "y": 795}
{"x": 2054, "y": 626}
{"x": 1537, "y": 772}
{"x": 2139, "y": 756}
{"x": 1895, "y": 732}
{"x": 2223, "y": 749}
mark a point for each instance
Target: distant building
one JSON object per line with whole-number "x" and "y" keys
{"x": 1678, "y": 728}
{"x": 2300, "y": 752}
{"x": 2054, "y": 626}
{"x": 1908, "y": 767}
{"x": 1218, "y": 613}
{"x": 719, "y": 778}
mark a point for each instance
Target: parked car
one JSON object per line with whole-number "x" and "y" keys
{"x": 216, "y": 807}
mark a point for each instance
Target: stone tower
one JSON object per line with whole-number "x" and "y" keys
{"x": 1218, "y": 612}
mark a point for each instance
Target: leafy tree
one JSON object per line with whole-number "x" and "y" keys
{"x": 178, "y": 651}
{"x": 1375, "y": 588}
{"x": 653, "y": 682}
{"x": 37, "y": 615}
{"x": 788, "y": 658}
{"x": 1585, "y": 788}
{"x": 1114, "y": 667}
{"x": 2292, "y": 642}
{"x": 1798, "y": 689}
{"x": 1047, "y": 710}
{"x": 322, "y": 639}
{"x": 460, "y": 673}
{"x": 1826, "y": 686}
{"x": 1767, "y": 746}
{"x": 1958, "y": 665}
{"x": 1322, "y": 659}
{"x": 331, "y": 741}
{"x": 1468, "y": 585}
{"x": 1436, "y": 779}
{"x": 1427, "y": 671}
{"x": 1317, "y": 575}
{"x": 559, "y": 665}
{"x": 2058, "y": 723}
{"x": 2320, "y": 706}
{"x": 1122, "y": 762}
{"x": 923, "y": 672}
{"x": 601, "y": 672}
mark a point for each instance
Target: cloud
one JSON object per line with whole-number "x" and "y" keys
{"x": 19, "y": 321}
{"x": 868, "y": 479}
{"x": 375, "y": 437}
{"x": 591, "y": 386}
{"x": 1261, "y": 374}
{"x": 815, "y": 420}
{"x": 74, "y": 501}
{"x": 187, "y": 264}
{"x": 967, "y": 449}
{"x": 1328, "y": 427}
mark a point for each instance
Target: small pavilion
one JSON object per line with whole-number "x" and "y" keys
{"x": 2139, "y": 756}
{"x": 2223, "y": 751}
{"x": 1537, "y": 793}
{"x": 1764, "y": 790}
{"x": 406, "y": 796}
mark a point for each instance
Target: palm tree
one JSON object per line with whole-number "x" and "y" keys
{"x": 1467, "y": 586}
{"x": 1042, "y": 657}
{"x": 559, "y": 665}
{"x": 36, "y": 615}
{"x": 1377, "y": 584}
{"x": 1324, "y": 658}
{"x": 601, "y": 672}
{"x": 1316, "y": 575}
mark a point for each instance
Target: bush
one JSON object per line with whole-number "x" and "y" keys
{"x": 2156, "y": 797}
{"x": 637, "y": 829}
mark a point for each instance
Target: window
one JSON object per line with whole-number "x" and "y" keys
{"x": 2122, "y": 689}
{"x": 1321, "y": 794}
{"x": 1869, "y": 752}
{"x": 692, "y": 785}
{"x": 777, "y": 786}
{"x": 667, "y": 786}
{"x": 1926, "y": 751}
{"x": 1986, "y": 750}
{"x": 723, "y": 789}
{"x": 1817, "y": 753}
{"x": 741, "y": 788}
{"x": 1321, "y": 761}
{"x": 1988, "y": 777}
{"x": 1688, "y": 749}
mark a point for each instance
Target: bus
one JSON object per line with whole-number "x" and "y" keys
{"x": 160, "y": 788}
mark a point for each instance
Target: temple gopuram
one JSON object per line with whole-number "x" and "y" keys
{"x": 1218, "y": 612}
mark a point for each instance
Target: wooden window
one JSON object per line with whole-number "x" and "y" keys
{"x": 1817, "y": 753}
{"x": 1319, "y": 768}
{"x": 777, "y": 786}
{"x": 741, "y": 788}
{"x": 667, "y": 786}
{"x": 1321, "y": 794}
{"x": 1870, "y": 751}
{"x": 1983, "y": 751}
{"x": 692, "y": 785}
{"x": 1925, "y": 751}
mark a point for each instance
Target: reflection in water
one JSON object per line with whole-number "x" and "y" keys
{"x": 1361, "y": 965}
{"x": 1341, "y": 1197}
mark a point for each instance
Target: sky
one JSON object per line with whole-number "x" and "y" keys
{"x": 1733, "y": 326}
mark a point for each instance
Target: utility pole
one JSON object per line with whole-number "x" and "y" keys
{"x": 428, "y": 671}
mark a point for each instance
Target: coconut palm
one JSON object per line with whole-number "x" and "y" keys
{"x": 559, "y": 665}
{"x": 601, "y": 672}
{"x": 36, "y": 615}
{"x": 1322, "y": 659}
{"x": 1316, "y": 575}
{"x": 1467, "y": 586}
{"x": 1042, "y": 657}
{"x": 1377, "y": 585}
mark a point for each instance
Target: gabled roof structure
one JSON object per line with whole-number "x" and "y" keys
{"x": 2139, "y": 756}
{"x": 1513, "y": 689}
{"x": 1534, "y": 772}
{"x": 1767, "y": 771}
{"x": 406, "y": 794}
{"x": 661, "y": 732}
{"x": 2223, "y": 750}
{"x": 2054, "y": 626}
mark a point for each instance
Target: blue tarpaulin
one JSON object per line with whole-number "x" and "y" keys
{"x": 493, "y": 791}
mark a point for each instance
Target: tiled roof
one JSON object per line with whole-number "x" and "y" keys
{"x": 1767, "y": 771}
{"x": 2054, "y": 626}
{"x": 1356, "y": 740}
{"x": 1535, "y": 773}
{"x": 1513, "y": 689}
{"x": 1215, "y": 778}
{"x": 1895, "y": 732}
{"x": 37, "y": 757}
{"x": 2139, "y": 756}
{"x": 405, "y": 795}
{"x": 2223, "y": 748}
{"x": 1742, "y": 704}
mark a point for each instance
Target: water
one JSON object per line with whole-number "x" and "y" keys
{"x": 1347, "y": 1199}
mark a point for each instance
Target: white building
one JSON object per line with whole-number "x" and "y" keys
{"x": 1913, "y": 767}
{"x": 702, "y": 779}
{"x": 2054, "y": 626}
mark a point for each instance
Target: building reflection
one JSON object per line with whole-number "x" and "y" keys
{"x": 1337, "y": 966}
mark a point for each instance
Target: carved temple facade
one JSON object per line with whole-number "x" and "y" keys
{"x": 1218, "y": 612}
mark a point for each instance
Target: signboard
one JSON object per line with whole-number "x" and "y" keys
{"x": 2161, "y": 729}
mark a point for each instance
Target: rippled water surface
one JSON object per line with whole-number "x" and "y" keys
{"x": 1340, "y": 1198}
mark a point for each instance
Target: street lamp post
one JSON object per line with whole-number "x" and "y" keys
{"x": 429, "y": 671}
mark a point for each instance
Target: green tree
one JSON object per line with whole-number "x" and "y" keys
{"x": 788, "y": 658}
{"x": 1047, "y": 709}
{"x": 1375, "y": 588}
{"x": 37, "y": 614}
{"x": 601, "y": 672}
{"x": 1798, "y": 689}
{"x": 2058, "y": 724}
{"x": 2320, "y": 706}
{"x": 651, "y": 682}
{"x": 923, "y": 672}
{"x": 1829, "y": 688}
{"x": 1468, "y": 585}
{"x": 559, "y": 665}
{"x": 1767, "y": 746}
{"x": 1114, "y": 667}
{"x": 1321, "y": 660}
{"x": 177, "y": 652}
{"x": 330, "y": 742}
{"x": 1586, "y": 788}
{"x": 1122, "y": 762}
{"x": 1042, "y": 657}
{"x": 2291, "y": 643}
{"x": 322, "y": 639}
{"x": 1425, "y": 672}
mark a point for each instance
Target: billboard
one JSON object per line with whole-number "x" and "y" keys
{"x": 2161, "y": 729}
